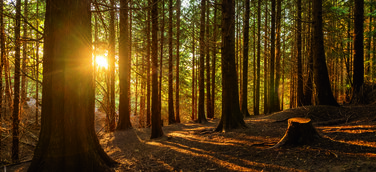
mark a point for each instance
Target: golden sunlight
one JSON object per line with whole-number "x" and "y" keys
{"x": 101, "y": 61}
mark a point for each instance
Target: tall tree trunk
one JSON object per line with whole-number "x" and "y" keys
{"x": 257, "y": 104}
{"x": 111, "y": 74}
{"x": 245, "y": 60}
{"x": 16, "y": 100}
{"x": 37, "y": 73}
{"x": 2, "y": 57}
{"x": 201, "y": 101}
{"x": 214, "y": 59}
{"x": 67, "y": 141}
{"x": 308, "y": 91}
{"x": 178, "y": 4}
{"x": 208, "y": 90}
{"x": 124, "y": 66}
{"x": 358, "y": 77}
{"x": 323, "y": 91}
{"x": 24, "y": 58}
{"x": 231, "y": 115}
{"x": 161, "y": 57}
{"x": 148, "y": 122}
{"x": 171, "y": 113}
{"x": 300, "y": 94}
{"x": 193, "y": 73}
{"x": 266, "y": 109}
{"x": 276, "y": 106}
{"x": 272, "y": 106}
{"x": 156, "y": 122}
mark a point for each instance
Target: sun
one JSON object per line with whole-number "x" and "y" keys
{"x": 101, "y": 61}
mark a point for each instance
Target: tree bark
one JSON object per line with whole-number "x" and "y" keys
{"x": 214, "y": 59}
{"x": 16, "y": 100}
{"x": 2, "y": 57}
{"x": 231, "y": 115}
{"x": 245, "y": 60}
{"x": 300, "y": 94}
{"x": 358, "y": 77}
{"x": 207, "y": 46}
{"x": 323, "y": 91}
{"x": 124, "y": 69}
{"x": 156, "y": 122}
{"x": 276, "y": 106}
{"x": 257, "y": 104}
{"x": 24, "y": 59}
{"x": 67, "y": 140}
{"x": 177, "y": 119}
{"x": 111, "y": 72}
{"x": 171, "y": 113}
{"x": 272, "y": 106}
{"x": 148, "y": 67}
{"x": 201, "y": 98}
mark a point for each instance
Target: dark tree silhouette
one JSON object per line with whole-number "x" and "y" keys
{"x": 256, "y": 108}
{"x": 178, "y": 4}
{"x": 300, "y": 94}
{"x": 156, "y": 122}
{"x": 323, "y": 91}
{"x": 124, "y": 69}
{"x": 358, "y": 76}
{"x": 245, "y": 60}
{"x": 231, "y": 115}
{"x": 171, "y": 113}
{"x": 67, "y": 140}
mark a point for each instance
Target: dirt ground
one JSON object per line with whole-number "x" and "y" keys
{"x": 349, "y": 144}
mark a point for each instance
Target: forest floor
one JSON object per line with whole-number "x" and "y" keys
{"x": 195, "y": 147}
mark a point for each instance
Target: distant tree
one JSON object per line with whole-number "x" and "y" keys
{"x": 245, "y": 60}
{"x": 231, "y": 115}
{"x": 323, "y": 89}
{"x": 67, "y": 140}
{"x": 156, "y": 122}
{"x": 124, "y": 66}
{"x": 201, "y": 80}
{"x": 17, "y": 71}
{"x": 358, "y": 76}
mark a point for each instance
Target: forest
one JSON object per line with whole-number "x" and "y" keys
{"x": 187, "y": 85}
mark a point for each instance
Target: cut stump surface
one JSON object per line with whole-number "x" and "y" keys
{"x": 300, "y": 131}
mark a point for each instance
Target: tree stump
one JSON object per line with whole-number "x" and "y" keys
{"x": 300, "y": 131}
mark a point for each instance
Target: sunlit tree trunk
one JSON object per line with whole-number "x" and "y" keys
{"x": 161, "y": 57}
{"x": 37, "y": 73}
{"x": 156, "y": 122}
{"x": 111, "y": 71}
{"x": 148, "y": 122}
{"x": 276, "y": 106}
{"x": 208, "y": 83}
{"x": 214, "y": 61}
{"x": 193, "y": 117}
{"x": 67, "y": 140}
{"x": 2, "y": 57}
{"x": 266, "y": 43}
{"x": 300, "y": 94}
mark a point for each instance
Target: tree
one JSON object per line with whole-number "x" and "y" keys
{"x": 111, "y": 72}
{"x": 16, "y": 100}
{"x": 358, "y": 76}
{"x": 178, "y": 4}
{"x": 277, "y": 58}
{"x": 67, "y": 141}
{"x": 156, "y": 122}
{"x": 171, "y": 113}
{"x": 209, "y": 111}
{"x": 2, "y": 57}
{"x": 256, "y": 108}
{"x": 124, "y": 69}
{"x": 231, "y": 115}
{"x": 24, "y": 57}
{"x": 323, "y": 91}
{"x": 201, "y": 80}
{"x": 245, "y": 60}
{"x": 300, "y": 94}
{"x": 272, "y": 106}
